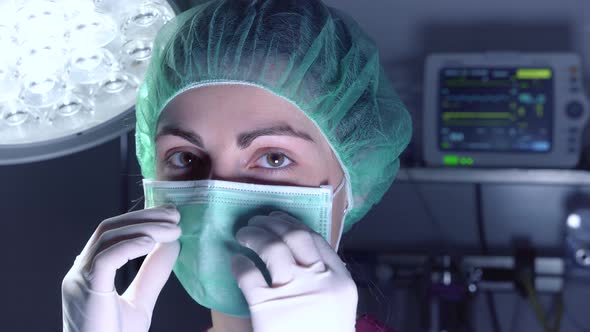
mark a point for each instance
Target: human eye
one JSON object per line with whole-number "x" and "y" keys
{"x": 274, "y": 160}
{"x": 182, "y": 160}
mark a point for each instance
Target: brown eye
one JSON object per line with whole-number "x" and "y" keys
{"x": 275, "y": 159}
{"x": 182, "y": 159}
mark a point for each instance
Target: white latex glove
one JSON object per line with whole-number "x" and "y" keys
{"x": 311, "y": 288}
{"x": 89, "y": 299}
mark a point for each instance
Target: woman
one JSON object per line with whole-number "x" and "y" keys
{"x": 265, "y": 98}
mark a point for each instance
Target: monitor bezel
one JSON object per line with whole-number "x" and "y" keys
{"x": 558, "y": 157}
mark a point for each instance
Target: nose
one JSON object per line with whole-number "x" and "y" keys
{"x": 218, "y": 167}
{"x": 221, "y": 174}
{"x": 223, "y": 171}
{"x": 216, "y": 176}
{"x": 228, "y": 170}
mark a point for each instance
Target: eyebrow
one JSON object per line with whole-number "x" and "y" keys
{"x": 193, "y": 138}
{"x": 243, "y": 141}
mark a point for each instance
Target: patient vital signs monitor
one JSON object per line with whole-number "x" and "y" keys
{"x": 503, "y": 110}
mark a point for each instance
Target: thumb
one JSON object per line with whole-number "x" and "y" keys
{"x": 153, "y": 275}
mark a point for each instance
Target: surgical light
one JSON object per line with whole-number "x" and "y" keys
{"x": 69, "y": 72}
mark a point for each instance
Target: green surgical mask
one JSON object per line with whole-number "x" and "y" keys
{"x": 211, "y": 212}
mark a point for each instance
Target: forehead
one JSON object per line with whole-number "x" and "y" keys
{"x": 234, "y": 105}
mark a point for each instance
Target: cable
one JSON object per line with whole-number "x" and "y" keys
{"x": 536, "y": 304}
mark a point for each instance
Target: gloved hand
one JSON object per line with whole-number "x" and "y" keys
{"x": 89, "y": 299}
{"x": 311, "y": 288}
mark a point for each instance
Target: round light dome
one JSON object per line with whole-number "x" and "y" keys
{"x": 69, "y": 72}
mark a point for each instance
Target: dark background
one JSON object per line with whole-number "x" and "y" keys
{"x": 50, "y": 209}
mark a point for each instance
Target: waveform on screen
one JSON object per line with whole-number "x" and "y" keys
{"x": 478, "y": 115}
{"x": 471, "y": 123}
{"x": 477, "y": 83}
{"x": 479, "y": 98}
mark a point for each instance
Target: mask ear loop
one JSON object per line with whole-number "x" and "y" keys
{"x": 340, "y": 186}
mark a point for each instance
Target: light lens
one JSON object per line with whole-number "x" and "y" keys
{"x": 69, "y": 65}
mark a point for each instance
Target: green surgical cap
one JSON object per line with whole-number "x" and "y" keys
{"x": 301, "y": 50}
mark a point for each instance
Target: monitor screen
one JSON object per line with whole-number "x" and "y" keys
{"x": 495, "y": 109}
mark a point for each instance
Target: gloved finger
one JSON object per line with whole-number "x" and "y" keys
{"x": 165, "y": 213}
{"x": 159, "y": 231}
{"x": 247, "y": 275}
{"x": 101, "y": 275}
{"x": 327, "y": 253}
{"x": 297, "y": 238}
{"x": 153, "y": 275}
{"x": 272, "y": 250}
{"x": 291, "y": 219}
{"x": 329, "y": 256}
{"x": 295, "y": 221}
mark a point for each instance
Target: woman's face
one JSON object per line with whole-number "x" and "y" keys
{"x": 246, "y": 134}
